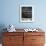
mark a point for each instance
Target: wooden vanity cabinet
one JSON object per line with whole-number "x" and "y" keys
{"x": 23, "y": 39}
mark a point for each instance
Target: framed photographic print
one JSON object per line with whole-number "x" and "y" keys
{"x": 26, "y": 13}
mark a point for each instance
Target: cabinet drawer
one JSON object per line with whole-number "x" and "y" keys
{"x": 37, "y": 39}
{"x": 34, "y": 33}
{"x": 12, "y": 39}
{"x": 37, "y": 44}
{"x": 13, "y": 33}
{"x": 8, "y": 45}
{"x": 14, "y": 44}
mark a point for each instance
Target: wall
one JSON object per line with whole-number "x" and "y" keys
{"x": 10, "y": 13}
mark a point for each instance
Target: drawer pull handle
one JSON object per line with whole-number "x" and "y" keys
{"x": 33, "y": 39}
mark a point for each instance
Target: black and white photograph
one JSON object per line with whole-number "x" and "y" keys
{"x": 26, "y": 13}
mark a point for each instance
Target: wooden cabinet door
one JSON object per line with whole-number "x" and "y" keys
{"x": 13, "y": 40}
{"x": 37, "y": 40}
{"x": 27, "y": 40}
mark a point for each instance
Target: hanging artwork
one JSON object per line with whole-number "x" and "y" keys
{"x": 26, "y": 13}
